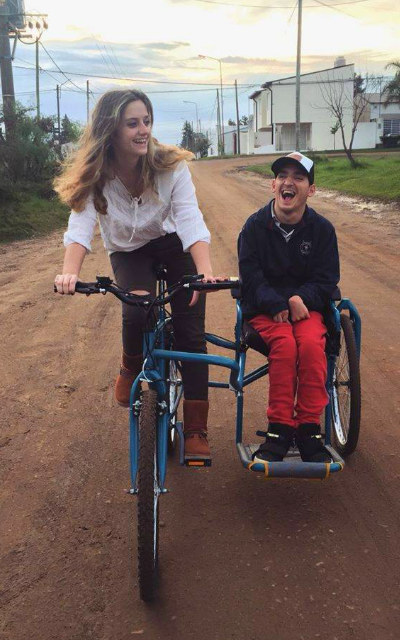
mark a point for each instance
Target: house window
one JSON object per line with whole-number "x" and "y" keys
{"x": 391, "y": 127}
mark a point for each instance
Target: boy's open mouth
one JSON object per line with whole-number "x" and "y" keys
{"x": 287, "y": 195}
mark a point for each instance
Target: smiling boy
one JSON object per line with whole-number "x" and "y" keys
{"x": 289, "y": 267}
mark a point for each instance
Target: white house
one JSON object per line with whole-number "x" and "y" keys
{"x": 231, "y": 140}
{"x": 274, "y": 111}
{"x": 271, "y": 127}
{"x": 386, "y": 116}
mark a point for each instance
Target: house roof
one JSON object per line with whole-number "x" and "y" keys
{"x": 378, "y": 98}
{"x": 268, "y": 84}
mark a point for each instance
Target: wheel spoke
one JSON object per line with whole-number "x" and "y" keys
{"x": 148, "y": 497}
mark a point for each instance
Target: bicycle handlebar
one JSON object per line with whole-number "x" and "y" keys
{"x": 105, "y": 284}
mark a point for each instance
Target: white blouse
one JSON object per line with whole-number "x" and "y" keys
{"x": 132, "y": 222}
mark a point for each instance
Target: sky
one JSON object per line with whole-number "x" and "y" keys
{"x": 156, "y": 44}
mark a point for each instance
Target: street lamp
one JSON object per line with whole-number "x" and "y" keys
{"x": 197, "y": 115}
{"x": 222, "y": 99}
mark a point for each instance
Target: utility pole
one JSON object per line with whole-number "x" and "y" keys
{"x": 219, "y": 126}
{"x": 58, "y": 113}
{"x": 37, "y": 79}
{"x": 87, "y": 101}
{"x": 7, "y": 83}
{"x": 29, "y": 30}
{"x": 222, "y": 133}
{"x": 298, "y": 62}
{"x": 222, "y": 109}
{"x": 237, "y": 120}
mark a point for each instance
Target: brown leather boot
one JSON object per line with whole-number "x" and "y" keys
{"x": 130, "y": 368}
{"x": 197, "y": 451}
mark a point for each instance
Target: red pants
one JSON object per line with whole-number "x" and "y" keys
{"x": 297, "y": 364}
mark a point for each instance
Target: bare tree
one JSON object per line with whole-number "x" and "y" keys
{"x": 346, "y": 100}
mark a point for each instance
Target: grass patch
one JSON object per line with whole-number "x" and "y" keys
{"x": 29, "y": 214}
{"x": 375, "y": 178}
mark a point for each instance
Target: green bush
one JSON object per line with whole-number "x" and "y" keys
{"x": 28, "y": 153}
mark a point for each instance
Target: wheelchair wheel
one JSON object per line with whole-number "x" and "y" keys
{"x": 346, "y": 395}
{"x": 174, "y": 395}
{"x": 148, "y": 494}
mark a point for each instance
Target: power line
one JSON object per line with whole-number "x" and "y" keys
{"x": 227, "y": 87}
{"x": 138, "y": 80}
{"x": 264, "y": 6}
{"x": 114, "y": 57}
{"x": 333, "y": 7}
{"x": 292, "y": 14}
{"x": 33, "y": 68}
{"x": 60, "y": 70}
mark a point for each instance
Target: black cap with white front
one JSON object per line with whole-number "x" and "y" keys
{"x": 297, "y": 158}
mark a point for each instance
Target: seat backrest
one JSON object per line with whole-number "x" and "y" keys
{"x": 253, "y": 339}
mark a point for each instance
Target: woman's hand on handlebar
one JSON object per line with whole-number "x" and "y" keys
{"x": 208, "y": 277}
{"x": 65, "y": 283}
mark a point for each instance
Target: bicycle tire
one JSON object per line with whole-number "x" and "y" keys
{"x": 346, "y": 404}
{"x": 148, "y": 494}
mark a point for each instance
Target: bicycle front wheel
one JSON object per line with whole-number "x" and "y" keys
{"x": 346, "y": 405}
{"x": 148, "y": 494}
{"x": 174, "y": 394}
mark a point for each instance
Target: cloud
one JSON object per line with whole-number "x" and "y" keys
{"x": 168, "y": 46}
{"x": 97, "y": 57}
{"x": 243, "y": 60}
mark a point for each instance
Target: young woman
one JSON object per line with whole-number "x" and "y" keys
{"x": 142, "y": 195}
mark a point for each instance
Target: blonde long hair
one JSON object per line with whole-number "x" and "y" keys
{"x": 87, "y": 171}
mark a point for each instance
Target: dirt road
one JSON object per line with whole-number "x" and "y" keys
{"x": 242, "y": 558}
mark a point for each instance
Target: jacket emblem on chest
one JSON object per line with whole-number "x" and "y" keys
{"x": 305, "y": 247}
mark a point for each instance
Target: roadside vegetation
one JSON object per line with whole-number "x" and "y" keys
{"x": 375, "y": 177}
{"x": 29, "y": 160}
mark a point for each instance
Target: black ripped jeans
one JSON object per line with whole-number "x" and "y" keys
{"x": 136, "y": 270}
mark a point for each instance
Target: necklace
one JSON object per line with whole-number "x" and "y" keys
{"x": 134, "y": 187}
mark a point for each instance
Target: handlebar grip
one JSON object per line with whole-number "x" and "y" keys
{"x": 214, "y": 286}
{"x": 86, "y": 287}
{"x": 83, "y": 287}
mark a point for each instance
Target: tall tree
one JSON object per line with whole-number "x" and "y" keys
{"x": 391, "y": 90}
{"x": 70, "y": 130}
{"x": 359, "y": 86}
{"x": 202, "y": 143}
{"x": 188, "y": 137}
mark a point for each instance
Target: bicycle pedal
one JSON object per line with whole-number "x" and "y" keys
{"x": 205, "y": 462}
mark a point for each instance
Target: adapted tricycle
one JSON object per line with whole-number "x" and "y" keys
{"x": 154, "y": 425}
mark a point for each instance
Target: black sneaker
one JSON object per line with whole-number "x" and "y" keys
{"x": 310, "y": 444}
{"x": 278, "y": 439}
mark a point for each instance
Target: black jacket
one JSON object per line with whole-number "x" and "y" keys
{"x": 272, "y": 270}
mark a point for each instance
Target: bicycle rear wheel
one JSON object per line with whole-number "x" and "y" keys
{"x": 148, "y": 494}
{"x": 346, "y": 404}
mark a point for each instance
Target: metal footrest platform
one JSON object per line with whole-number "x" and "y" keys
{"x": 292, "y": 465}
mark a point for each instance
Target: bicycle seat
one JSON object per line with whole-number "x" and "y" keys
{"x": 161, "y": 271}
